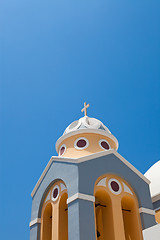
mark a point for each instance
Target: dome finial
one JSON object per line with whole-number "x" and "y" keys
{"x": 85, "y": 109}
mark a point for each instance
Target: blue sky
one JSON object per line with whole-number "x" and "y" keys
{"x": 54, "y": 55}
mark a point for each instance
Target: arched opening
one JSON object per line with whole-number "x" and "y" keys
{"x": 47, "y": 223}
{"x": 116, "y": 210}
{"x": 54, "y": 218}
{"x": 131, "y": 218}
{"x": 63, "y": 217}
{"x": 103, "y": 216}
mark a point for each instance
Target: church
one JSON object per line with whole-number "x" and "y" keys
{"x": 90, "y": 192}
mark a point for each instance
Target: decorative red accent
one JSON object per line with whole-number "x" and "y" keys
{"x": 62, "y": 150}
{"x": 105, "y": 145}
{"x": 81, "y": 143}
{"x": 55, "y": 193}
{"x": 115, "y": 186}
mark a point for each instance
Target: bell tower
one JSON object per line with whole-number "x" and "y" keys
{"x": 89, "y": 191}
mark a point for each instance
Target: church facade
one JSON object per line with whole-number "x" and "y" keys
{"x": 90, "y": 192}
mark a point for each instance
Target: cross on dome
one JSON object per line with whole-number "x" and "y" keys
{"x": 85, "y": 109}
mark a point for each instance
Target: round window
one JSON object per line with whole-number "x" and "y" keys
{"x": 104, "y": 144}
{"x": 114, "y": 186}
{"x": 62, "y": 150}
{"x": 55, "y": 193}
{"x": 81, "y": 143}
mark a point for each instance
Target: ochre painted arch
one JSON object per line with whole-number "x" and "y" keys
{"x": 54, "y": 215}
{"x": 116, "y": 210}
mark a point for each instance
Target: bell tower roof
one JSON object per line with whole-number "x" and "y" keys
{"x": 86, "y": 125}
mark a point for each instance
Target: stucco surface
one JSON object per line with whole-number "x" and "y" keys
{"x": 156, "y": 205}
{"x": 152, "y": 233}
{"x": 81, "y": 177}
{"x": 153, "y": 175}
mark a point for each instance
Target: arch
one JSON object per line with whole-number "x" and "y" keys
{"x": 118, "y": 217}
{"x": 63, "y": 217}
{"x": 131, "y": 219}
{"x": 104, "y": 216}
{"x": 54, "y": 213}
{"x": 45, "y": 194}
{"x": 47, "y": 223}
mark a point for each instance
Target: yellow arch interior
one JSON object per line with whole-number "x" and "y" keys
{"x": 63, "y": 218}
{"x": 47, "y": 222}
{"x": 116, "y": 214}
{"x": 54, "y": 223}
{"x": 104, "y": 214}
{"x": 157, "y": 216}
{"x": 130, "y": 218}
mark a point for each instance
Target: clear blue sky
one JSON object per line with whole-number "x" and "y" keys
{"x": 54, "y": 55}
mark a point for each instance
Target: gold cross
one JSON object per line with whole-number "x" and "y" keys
{"x": 85, "y": 109}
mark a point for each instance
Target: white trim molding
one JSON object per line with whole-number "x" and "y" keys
{"x": 146, "y": 210}
{"x": 81, "y": 196}
{"x": 157, "y": 209}
{"x": 33, "y": 222}
{"x": 156, "y": 198}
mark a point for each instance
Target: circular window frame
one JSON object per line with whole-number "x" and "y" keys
{"x": 104, "y": 140}
{"x": 55, "y": 199}
{"x": 63, "y": 145}
{"x": 110, "y": 188}
{"x": 81, "y": 148}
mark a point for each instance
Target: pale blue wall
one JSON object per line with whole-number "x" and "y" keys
{"x": 81, "y": 178}
{"x": 156, "y": 204}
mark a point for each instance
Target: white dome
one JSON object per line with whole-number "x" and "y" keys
{"x": 153, "y": 174}
{"x": 86, "y": 122}
{"x": 86, "y": 125}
